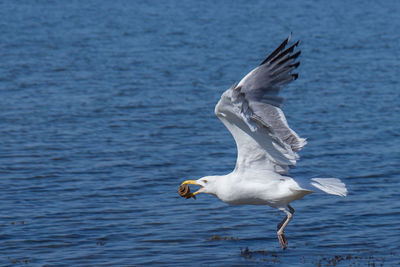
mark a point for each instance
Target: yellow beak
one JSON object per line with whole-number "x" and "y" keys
{"x": 194, "y": 183}
{"x": 190, "y": 182}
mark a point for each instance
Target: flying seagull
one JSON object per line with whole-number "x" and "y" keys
{"x": 266, "y": 145}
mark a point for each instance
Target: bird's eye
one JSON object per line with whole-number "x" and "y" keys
{"x": 205, "y": 181}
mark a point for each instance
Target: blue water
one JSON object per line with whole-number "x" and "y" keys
{"x": 106, "y": 107}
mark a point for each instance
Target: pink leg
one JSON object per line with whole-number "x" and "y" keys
{"x": 281, "y": 226}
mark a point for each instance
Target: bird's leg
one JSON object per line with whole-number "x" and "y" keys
{"x": 281, "y": 226}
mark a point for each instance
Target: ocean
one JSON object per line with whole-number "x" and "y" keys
{"x": 106, "y": 107}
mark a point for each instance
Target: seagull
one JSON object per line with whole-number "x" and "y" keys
{"x": 266, "y": 146}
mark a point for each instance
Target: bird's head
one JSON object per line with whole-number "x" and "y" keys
{"x": 207, "y": 185}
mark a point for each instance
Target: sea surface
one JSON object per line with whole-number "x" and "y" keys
{"x": 107, "y": 106}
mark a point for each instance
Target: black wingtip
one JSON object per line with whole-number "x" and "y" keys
{"x": 278, "y": 53}
{"x": 295, "y": 65}
{"x": 284, "y": 53}
{"x": 295, "y": 76}
{"x": 277, "y": 50}
{"x": 292, "y": 57}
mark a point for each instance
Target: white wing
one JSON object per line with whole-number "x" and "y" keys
{"x": 251, "y": 112}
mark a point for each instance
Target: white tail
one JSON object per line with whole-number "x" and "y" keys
{"x": 331, "y": 186}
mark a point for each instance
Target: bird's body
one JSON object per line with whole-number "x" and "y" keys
{"x": 266, "y": 145}
{"x": 252, "y": 188}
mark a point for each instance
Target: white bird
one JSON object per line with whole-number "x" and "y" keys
{"x": 266, "y": 145}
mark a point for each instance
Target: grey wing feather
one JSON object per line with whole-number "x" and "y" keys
{"x": 261, "y": 87}
{"x": 251, "y": 112}
{"x": 264, "y": 82}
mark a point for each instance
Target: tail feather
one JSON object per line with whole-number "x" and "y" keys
{"x": 331, "y": 186}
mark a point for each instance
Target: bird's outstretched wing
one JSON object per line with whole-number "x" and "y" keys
{"x": 251, "y": 112}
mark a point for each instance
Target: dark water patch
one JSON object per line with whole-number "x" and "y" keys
{"x": 350, "y": 260}
{"x": 259, "y": 255}
{"x": 215, "y": 237}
